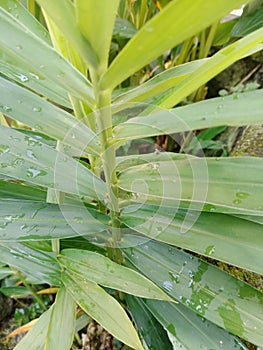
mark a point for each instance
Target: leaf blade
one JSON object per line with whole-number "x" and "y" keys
{"x": 233, "y": 110}
{"x": 31, "y": 220}
{"x": 210, "y": 292}
{"x": 101, "y": 270}
{"x": 32, "y": 110}
{"x": 205, "y": 183}
{"x": 61, "y": 327}
{"x": 161, "y": 33}
{"x": 26, "y": 158}
{"x": 29, "y": 50}
{"x": 101, "y": 306}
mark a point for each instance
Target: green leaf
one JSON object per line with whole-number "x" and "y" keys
{"x": 10, "y": 68}
{"x": 123, "y": 28}
{"x": 41, "y": 62}
{"x": 29, "y": 220}
{"x": 223, "y": 32}
{"x": 101, "y": 270}
{"x": 10, "y": 190}
{"x": 248, "y": 23}
{"x": 234, "y": 110}
{"x": 61, "y": 328}
{"x": 17, "y": 10}
{"x": 5, "y": 271}
{"x": 193, "y": 331}
{"x": 208, "y": 291}
{"x": 39, "y": 266}
{"x": 103, "y": 308}
{"x": 25, "y": 158}
{"x": 96, "y": 21}
{"x": 36, "y": 112}
{"x": 159, "y": 83}
{"x": 54, "y": 9}
{"x": 222, "y": 237}
{"x": 126, "y": 162}
{"x": 15, "y": 292}
{"x": 199, "y": 181}
{"x": 164, "y": 31}
{"x": 244, "y": 47}
{"x": 35, "y": 338}
{"x": 148, "y": 327}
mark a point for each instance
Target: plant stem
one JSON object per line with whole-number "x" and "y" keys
{"x": 32, "y": 290}
{"x": 104, "y": 116}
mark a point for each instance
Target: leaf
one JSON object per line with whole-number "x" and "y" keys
{"x": 101, "y": 270}
{"x": 17, "y": 10}
{"x": 9, "y": 68}
{"x": 223, "y": 32}
{"x": 39, "y": 266}
{"x": 34, "y": 111}
{"x": 25, "y": 158}
{"x": 123, "y": 28}
{"x": 158, "y": 84}
{"x": 34, "y": 61}
{"x": 233, "y": 110}
{"x": 208, "y": 184}
{"x": 193, "y": 331}
{"x": 61, "y": 328}
{"x": 54, "y": 9}
{"x": 219, "y": 236}
{"x": 164, "y": 31}
{"x": 103, "y": 308}
{"x": 15, "y": 292}
{"x": 10, "y": 190}
{"x": 126, "y": 162}
{"x": 96, "y": 21}
{"x": 248, "y": 23}
{"x": 148, "y": 327}
{"x": 35, "y": 338}
{"x": 208, "y": 291}
{"x": 244, "y": 47}
{"x": 29, "y": 220}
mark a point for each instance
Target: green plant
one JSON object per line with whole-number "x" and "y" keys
{"x": 119, "y": 222}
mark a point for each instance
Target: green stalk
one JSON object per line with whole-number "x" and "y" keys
{"x": 108, "y": 158}
{"x": 210, "y": 38}
{"x": 32, "y": 290}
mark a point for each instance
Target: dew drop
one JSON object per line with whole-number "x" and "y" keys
{"x": 242, "y": 194}
{"x": 237, "y": 201}
{"x": 78, "y": 220}
{"x": 34, "y": 76}
{"x": 33, "y": 172}
{"x": 37, "y": 109}
{"x": 17, "y": 162}
{"x": 168, "y": 285}
{"x": 31, "y": 141}
{"x": 61, "y": 74}
{"x": 19, "y": 47}
{"x": 210, "y": 250}
{"x": 6, "y": 108}
{"x": 23, "y": 78}
{"x": 30, "y": 154}
{"x": 4, "y": 149}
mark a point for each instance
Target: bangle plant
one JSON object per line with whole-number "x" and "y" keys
{"x": 78, "y": 217}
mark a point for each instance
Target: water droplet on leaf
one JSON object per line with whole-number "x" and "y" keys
{"x": 37, "y": 109}
{"x": 4, "y": 149}
{"x": 33, "y": 172}
{"x": 210, "y": 250}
